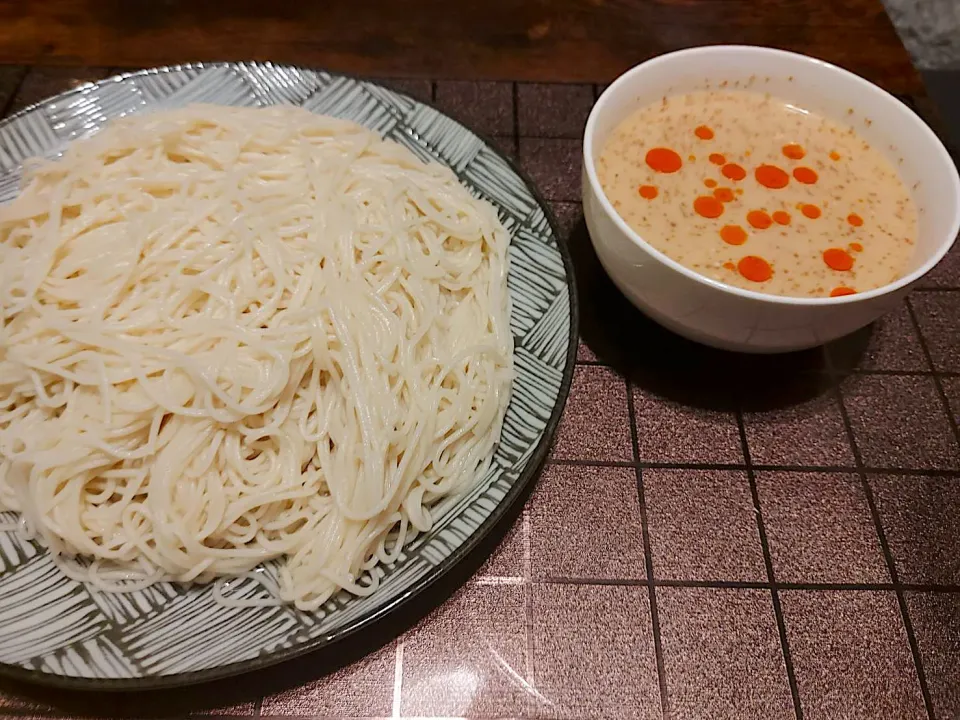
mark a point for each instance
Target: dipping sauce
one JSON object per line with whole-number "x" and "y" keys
{"x": 749, "y": 190}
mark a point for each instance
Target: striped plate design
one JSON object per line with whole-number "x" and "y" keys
{"x": 58, "y": 631}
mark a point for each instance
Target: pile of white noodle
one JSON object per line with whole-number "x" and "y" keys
{"x": 233, "y": 335}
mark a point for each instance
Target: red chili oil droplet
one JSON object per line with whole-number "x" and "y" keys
{"x": 794, "y": 151}
{"x": 732, "y": 171}
{"x": 755, "y": 268}
{"x": 704, "y": 133}
{"x": 733, "y": 235}
{"x": 770, "y": 176}
{"x": 805, "y": 175}
{"x": 664, "y": 160}
{"x": 838, "y": 259}
{"x": 723, "y": 194}
{"x": 759, "y": 219}
{"x": 708, "y": 206}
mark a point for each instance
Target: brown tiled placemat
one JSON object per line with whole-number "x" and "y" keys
{"x": 715, "y": 536}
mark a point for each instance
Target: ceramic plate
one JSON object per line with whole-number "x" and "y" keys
{"x": 58, "y": 631}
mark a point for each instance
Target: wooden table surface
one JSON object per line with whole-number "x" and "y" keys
{"x": 545, "y": 40}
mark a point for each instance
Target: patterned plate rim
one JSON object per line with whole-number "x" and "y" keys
{"x": 526, "y": 478}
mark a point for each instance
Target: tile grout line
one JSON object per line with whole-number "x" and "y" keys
{"x": 862, "y": 372}
{"x": 718, "y": 584}
{"x": 597, "y": 582}
{"x": 936, "y": 377}
{"x": 567, "y": 138}
{"x": 901, "y": 598}
{"x": 902, "y": 603}
{"x": 885, "y": 546}
{"x": 844, "y": 469}
{"x": 648, "y": 559}
{"x": 898, "y": 373}
{"x": 578, "y": 462}
{"x": 768, "y": 563}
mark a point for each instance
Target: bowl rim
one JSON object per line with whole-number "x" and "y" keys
{"x": 759, "y": 51}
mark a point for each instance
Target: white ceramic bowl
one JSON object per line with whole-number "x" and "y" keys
{"x": 723, "y": 316}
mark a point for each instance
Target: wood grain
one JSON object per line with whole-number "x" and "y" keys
{"x": 545, "y": 40}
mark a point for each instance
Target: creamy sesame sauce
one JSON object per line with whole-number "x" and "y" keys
{"x": 749, "y": 190}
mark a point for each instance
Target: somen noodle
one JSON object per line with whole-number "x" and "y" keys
{"x": 231, "y": 335}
